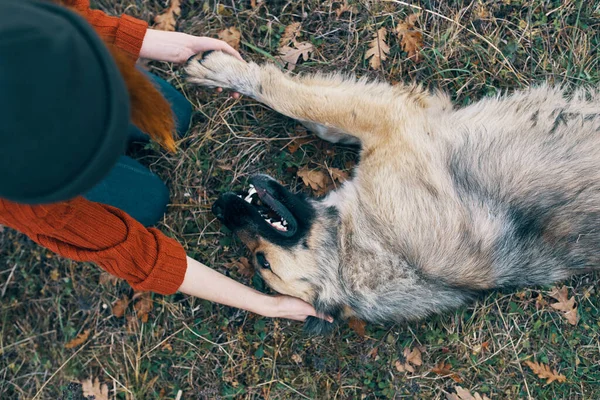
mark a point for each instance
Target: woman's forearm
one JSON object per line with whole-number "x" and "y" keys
{"x": 206, "y": 283}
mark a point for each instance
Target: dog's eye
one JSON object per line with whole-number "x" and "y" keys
{"x": 262, "y": 261}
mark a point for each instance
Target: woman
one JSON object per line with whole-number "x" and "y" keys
{"x": 69, "y": 91}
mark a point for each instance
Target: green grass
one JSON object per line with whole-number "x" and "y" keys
{"x": 209, "y": 351}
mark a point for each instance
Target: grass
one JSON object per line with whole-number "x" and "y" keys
{"x": 206, "y": 351}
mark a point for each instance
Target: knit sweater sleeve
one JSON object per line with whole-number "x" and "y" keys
{"x": 86, "y": 231}
{"x": 125, "y": 32}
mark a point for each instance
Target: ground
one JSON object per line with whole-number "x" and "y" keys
{"x": 197, "y": 350}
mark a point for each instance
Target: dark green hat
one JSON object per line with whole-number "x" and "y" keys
{"x": 64, "y": 107}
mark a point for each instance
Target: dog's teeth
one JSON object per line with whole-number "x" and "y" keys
{"x": 284, "y": 222}
{"x": 251, "y": 191}
{"x": 278, "y": 226}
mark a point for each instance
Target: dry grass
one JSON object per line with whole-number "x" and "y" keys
{"x": 208, "y": 351}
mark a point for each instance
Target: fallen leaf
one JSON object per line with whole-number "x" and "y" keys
{"x": 543, "y": 371}
{"x": 289, "y": 34}
{"x": 339, "y": 175}
{"x": 358, "y": 326}
{"x": 243, "y": 266}
{"x": 464, "y": 394}
{"x": 224, "y": 11}
{"x": 446, "y": 370}
{"x": 403, "y": 367}
{"x": 410, "y": 39}
{"x": 295, "y": 144}
{"x": 168, "y": 19}
{"x": 345, "y": 7}
{"x": 566, "y": 305}
{"x": 231, "y": 36}
{"x": 410, "y": 357}
{"x": 373, "y": 353}
{"x": 378, "y": 49}
{"x": 143, "y": 305}
{"x": 297, "y": 358}
{"x": 413, "y": 356}
{"x": 318, "y": 181}
{"x": 167, "y": 347}
{"x": 106, "y": 278}
{"x": 94, "y": 388}
{"x": 54, "y": 275}
{"x": 291, "y": 55}
{"x": 79, "y": 340}
{"x": 119, "y": 306}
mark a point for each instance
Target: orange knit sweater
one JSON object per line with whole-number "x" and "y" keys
{"x": 86, "y": 231}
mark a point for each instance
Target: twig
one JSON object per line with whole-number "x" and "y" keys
{"x": 39, "y": 392}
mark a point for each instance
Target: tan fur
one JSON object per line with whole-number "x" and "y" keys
{"x": 445, "y": 203}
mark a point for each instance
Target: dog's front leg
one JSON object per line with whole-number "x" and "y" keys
{"x": 337, "y": 109}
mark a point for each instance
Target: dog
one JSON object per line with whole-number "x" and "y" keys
{"x": 445, "y": 204}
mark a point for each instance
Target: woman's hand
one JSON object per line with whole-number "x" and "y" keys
{"x": 293, "y": 308}
{"x": 178, "y": 47}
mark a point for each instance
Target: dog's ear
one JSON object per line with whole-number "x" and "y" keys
{"x": 315, "y": 326}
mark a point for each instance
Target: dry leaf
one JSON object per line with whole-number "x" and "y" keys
{"x": 566, "y": 305}
{"x": 106, "y": 278}
{"x": 410, "y": 39}
{"x": 289, "y": 34}
{"x": 231, "y": 36}
{"x": 464, "y": 394}
{"x": 543, "y": 371}
{"x": 358, "y": 326}
{"x": 446, "y": 370}
{"x": 143, "y": 306}
{"x": 119, "y": 306}
{"x": 378, "y": 49}
{"x": 168, "y": 19}
{"x": 297, "y": 143}
{"x": 291, "y": 55}
{"x": 410, "y": 357}
{"x": 317, "y": 180}
{"x": 345, "y": 7}
{"x": 94, "y": 388}
{"x": 79, "y": 340}
{"x": 224, "y": 11}
{"x": 54, "y": 275}
{"x": 339, "y": 175}
{"x": 243, "y": 266}
{"x": 296, "y": 358}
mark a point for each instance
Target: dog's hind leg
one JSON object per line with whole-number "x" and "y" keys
{"x": 334, "y": 107}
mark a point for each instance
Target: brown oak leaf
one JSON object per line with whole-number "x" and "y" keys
{"x": 318, "y": 181}
{"x": 168, "y": 19}
{"x": 358, "y": 326}
{"x": 410, "y": 39}
{"x": 345, "y": 7}
{"x": 98, "y": 391}
{"x": 289, "y": 34}
{"x": 79, "y": 340}
{"x": 119, "y": 306}
{"x": 339, "y": 175}
{"x": 410, "y": 357}
{"x": 464, "y": 394}
{"x": 143, "y": 305}
{"x": 446, "y": 370}
{"x": 378, "y": 49}
{"x": 243, "y": 266}
{"x": 543, "y": 371}
{"x": 565, "y": 304}
{"x": 231, "y": 36}
{"x": 291, "y": 55}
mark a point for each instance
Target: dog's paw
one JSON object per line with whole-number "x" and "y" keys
{"x": 318, "y": 327}
{"x": 215, "y": 69}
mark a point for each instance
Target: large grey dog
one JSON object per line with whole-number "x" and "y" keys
{"x": 446, "y": 203}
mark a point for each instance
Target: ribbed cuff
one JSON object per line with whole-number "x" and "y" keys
{"x": 130, "y": 35}
{"x": 167, "y": 275}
